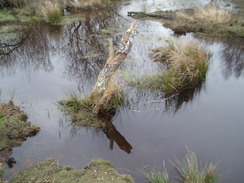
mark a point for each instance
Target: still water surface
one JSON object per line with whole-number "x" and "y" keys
{"x": 51, "y": 61}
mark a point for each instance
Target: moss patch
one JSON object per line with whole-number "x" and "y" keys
{"x": 50, "y": 171}
{"x": 14, "y": 129}
{"x": 15, "y": 15}
{"x": 6, "y": 15}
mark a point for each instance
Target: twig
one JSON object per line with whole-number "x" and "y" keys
{"x": 163, "y": 100}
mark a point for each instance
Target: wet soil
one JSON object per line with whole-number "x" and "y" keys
{"x": 51, "y": 171}
{"x": 14, "y": 130}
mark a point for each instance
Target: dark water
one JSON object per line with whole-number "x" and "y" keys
{"x": 47, "y": 62}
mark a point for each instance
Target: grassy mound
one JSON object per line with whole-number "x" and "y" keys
{"x": 14, "y": 129}
{"x": 50, "y": 171}
{"x": 95, "y": 110}
{"x": 186, "y": 67}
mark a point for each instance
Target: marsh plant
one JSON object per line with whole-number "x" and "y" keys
{"x": 51, "y": 11}
{"x": 210, "y": 15}
{"x": 187, "y": 64}
{"x": 90, "y": 111}
{"x": 190, "y": 171}
{"x": 155, "y": 176}
{"x": 85, "y": 3}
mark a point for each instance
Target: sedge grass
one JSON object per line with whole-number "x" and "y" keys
{"x": 85, "y": 4}
{"x": 155, "y": 176}
{"x": 187, "y": 65}
{"x": 207, "y": 15}
{"x": 90, "y": 111}
{"x": 51, "y": 11}
{"x": 191, "y": 171}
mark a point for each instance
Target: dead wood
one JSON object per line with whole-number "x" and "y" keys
{"x": 113, "y": 63}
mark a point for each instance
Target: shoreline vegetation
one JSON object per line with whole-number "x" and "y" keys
{"x": 207, "y": 20}
{"x": 14, "y": 130}
{"x": 51, "y": 171}
{"x": 53, "y": 12}
{"x": 190, "y": 170}
{"x": 185, "y": 64}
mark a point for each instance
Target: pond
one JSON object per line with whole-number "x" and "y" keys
{"x": 45, "y": 63}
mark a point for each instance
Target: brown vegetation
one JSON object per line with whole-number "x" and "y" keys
{"x": 51, "y": 11}
{"x": 187, "y": 64}
{"x": 210, "y": 15}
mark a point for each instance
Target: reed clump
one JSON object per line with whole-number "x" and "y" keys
{"x": 187, "y": 65}
{"x": 90, "y": 111}
{"x": 85, "y": 4}
{"x": 209, "y": 15}
{"x": 190, "y": 171}
{"x": 51, "y": 11}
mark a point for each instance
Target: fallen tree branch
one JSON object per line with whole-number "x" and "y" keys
{"x": 112, "y": 64}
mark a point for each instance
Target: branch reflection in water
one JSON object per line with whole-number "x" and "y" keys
{"x": 232, "y": 53}
{"x": 109, "y": 130}
{"x": 28, "y": 52}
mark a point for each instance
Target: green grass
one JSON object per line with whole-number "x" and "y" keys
{"x": 51, "y": 11}
{"x": 88, "y": 111}
{"x": 191, "y": 171}
{"x": 2, "y": 119}
{"x": 157, "y": 177}
{"x": 51, "y": 171}
{"x": 6, "y": 15}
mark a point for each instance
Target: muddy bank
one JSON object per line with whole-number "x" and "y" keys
{"x": 14, "y": 130}
{"x": 234, "y": 28}
{"x": 51, "y": 171}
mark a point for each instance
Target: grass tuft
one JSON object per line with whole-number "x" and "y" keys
{"x": 192, "y": 172}
{"x": 51, "y": 12}
{"x": 90, "y": 111}
{"x": 155, "y": 176}
{"x": 85, "y": 3}
{"x": 187, "y": 64}
{"x": 209, "y": 15}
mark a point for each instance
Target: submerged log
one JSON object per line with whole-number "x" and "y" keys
{"x": 115, "y": 60}
{"x": 142, "y": 14}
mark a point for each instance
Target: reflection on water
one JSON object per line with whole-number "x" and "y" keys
{"x": 29, "y": 52}
{"x": 234, "y": 58}
{"x": 112, "y": 134}
{"x": 174, "y": 104}
{"x": 232, "y": 54}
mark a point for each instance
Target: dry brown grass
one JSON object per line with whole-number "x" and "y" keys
{"x": 51, "y": 11}
{"x": 187, "y": 64}
{"x": 112, "y": 97}
{"x": 85, "y": 3}
{"x": 210, "y": 15}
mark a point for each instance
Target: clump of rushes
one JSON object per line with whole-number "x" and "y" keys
{"x": 192, "y": 172}
{"x": 155, "y": 176}
{"x": 51, "y": 11}
{"x": 90, "y": 111}
{"x": 187, "y": 65}
{"x": 85, "y": 3}
{"x": 210, "y": 15}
